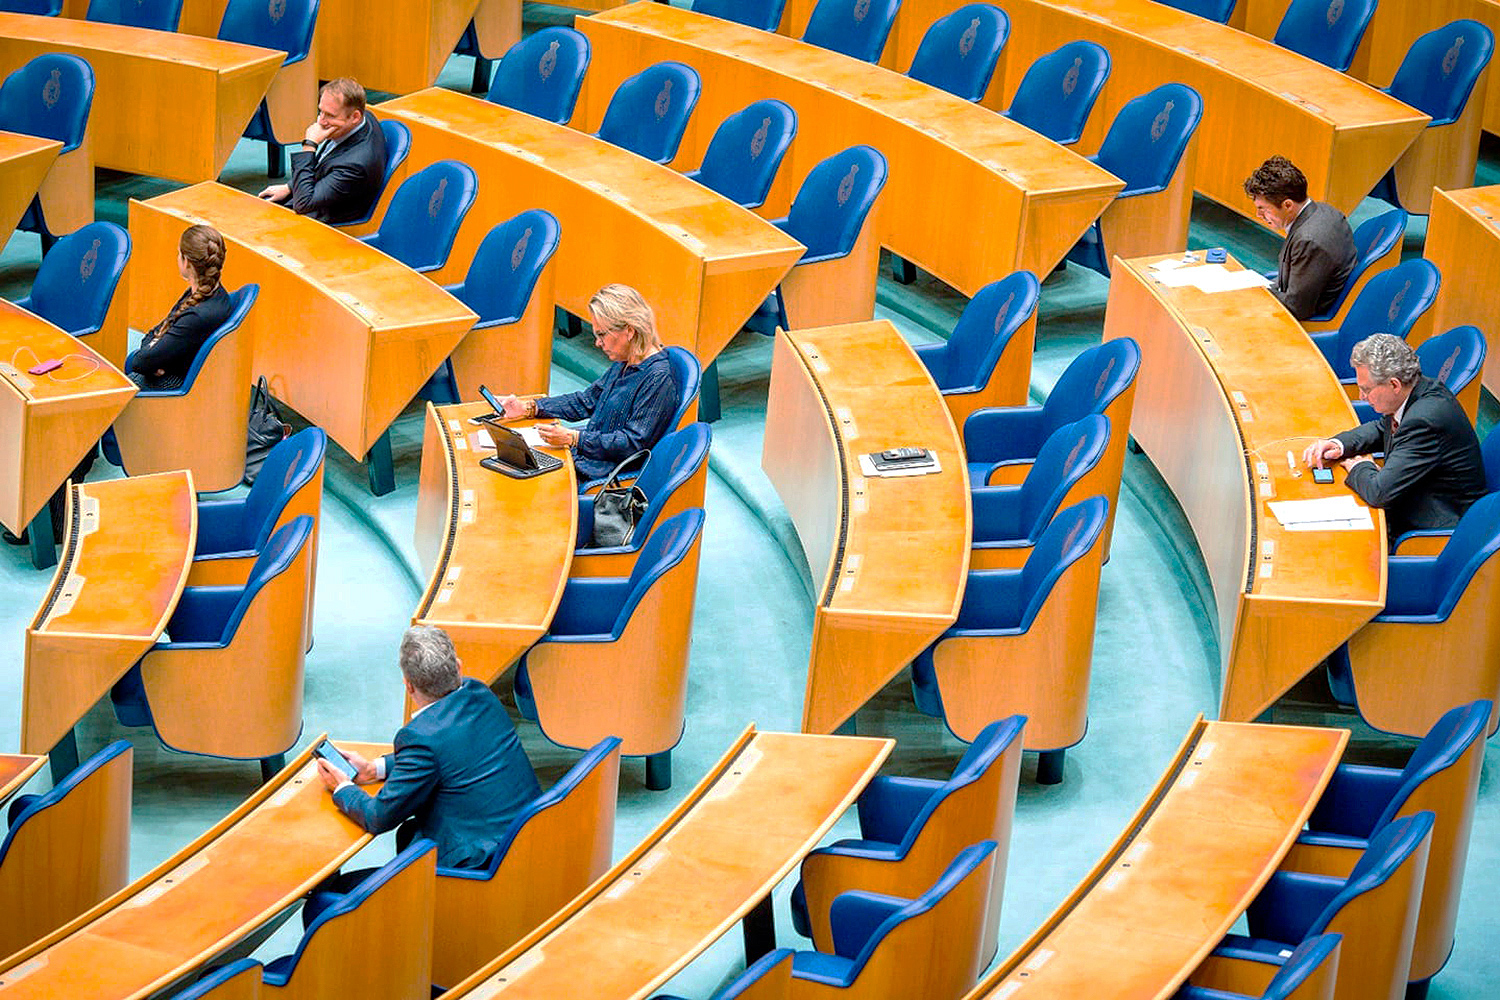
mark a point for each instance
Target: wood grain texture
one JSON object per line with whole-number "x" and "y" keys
{"x": 396, "y": 46}
{"x": 1463, "y": 241}
{"x": 25, "y": 160}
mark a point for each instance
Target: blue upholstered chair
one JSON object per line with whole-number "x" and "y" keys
{"x": 762, "y": 14}
{"x": 1023, "y": 643}
{"x": 857, "y": 28}
{"x": 1058, "y": 91}
{"x": 162, "y": 15}
{"x": 1377, "y": 247}
{"x": 397, "y": 146}
{"x": 542, "y": 74}
{"x": 1436, "y": 77}
{"x": 1326, "y": 31}
{"x": 1214, "y": 10}
{"x": 332, "y": 949}
{"x": 1374, "y": 908}
{"x": 200, "y": 425}
{"x": 511, "y": 345}
{"x": 234, "y": 981}
{"x": 649, "y": 112}
{"x": 1145, "y": 147}
{"x": 46, "y": 8}
{"x": 673, "y": 480}
{"x": 910, "y": 828}
{"x": 554, "y": 849}
{"x": 875, "y": 936}
{"x": 959, "y": 52}
{"x": 75, "y": 284}
{"x": 226, "y": 679}
{"x": 66, "y": 849}
{"x": 1311, "y": 968}
{"x": 747, "y": 148}
{"x": 614, "y": 661}
{"x": 288, "y": 28}
{"x": 51, "y": 96}
{"x": 422, "y": 220}
{"x": 1008, "y": 520}
{"x": 767, "y": 978}
{"x": 1391, "y": 302}
{"x": 236, "y": 529}
{"x": 1454, "y": 358}
{"x": 986, "y": 360}
{"x": 688, "y": 375}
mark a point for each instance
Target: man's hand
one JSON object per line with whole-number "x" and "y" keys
{"x": 331, "y": 778}
{"x": 1350, "y": 463}
{"x": 1320, "y": 453}
{"x": 364, "y": 770}
{"x": 316, "y": 132}
{"x": 557, "y": 435}
{"x": 277, "y": 193}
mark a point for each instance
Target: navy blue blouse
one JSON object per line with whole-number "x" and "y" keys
{"x": 627, "y": 409}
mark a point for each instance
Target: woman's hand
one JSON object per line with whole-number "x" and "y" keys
{"x": 512, "y": 408}
{"x": 557, "y": 435}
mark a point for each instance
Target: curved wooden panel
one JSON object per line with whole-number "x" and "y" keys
{"x": 24, "y": 161}
{"x": 1463, "y": 241}
{"x": 392, "y": 45}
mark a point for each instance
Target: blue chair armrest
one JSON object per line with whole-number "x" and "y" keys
{"x": 1289, "y": 903}
{"x": 997, "y": 511}
{"x": 1327, "y": 342}
{"x": 585, "y": 522}
{"x": 693, "y": 176}
{"x": 996, "y": 434}
{"x": 1131, "y": 192}
{"x": 1422, "y": 533}
{"x": 278, "y": 970}
{"x": 819, "y": 258}
{"x": 219, "y": 524}
{"x": 1409, "y": 589}
{"x": 816, "y": 967}
{"x": 1354, "y": 800}
{"x": 201, "y": 614}
{"x": 23, "y": 303}
{"x": 890, "y": 803}
{"x": 934, "y": 357}
{"x": 472, "y": 874}
{"x": 870, "y": 850}
{"x": 781, "y": 222}
{"x": 589, "y": 607}
{"x": 992, "y": 600}
{"x": 855, "y": 915}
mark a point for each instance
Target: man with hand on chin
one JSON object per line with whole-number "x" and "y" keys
{"x": 339, "y": 173}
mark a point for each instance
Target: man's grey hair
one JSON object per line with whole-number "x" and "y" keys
{"x": 428, "y": 660}
{"x": 1387, "y": 357}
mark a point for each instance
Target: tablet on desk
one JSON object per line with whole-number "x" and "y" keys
{"x": 514, "y": 457}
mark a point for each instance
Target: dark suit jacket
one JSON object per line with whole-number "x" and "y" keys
{"x": 172, "y": 350}
{"x": 1316, "y": 260}
{"x": 1433, "y": 468}
{"x": 346, "y": 182}
{"x": 458, "y": 770}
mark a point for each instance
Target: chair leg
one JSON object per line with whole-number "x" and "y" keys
{"x": 381, "y": 467}
{"x": 271, "y": 766}
{"x": 659, "y": 771}
{"x": 63, "y": 758}
{"x": 43, "y": 538}
{"x": 759, "y": 927}
{"x": 1049, "y": 767}
{"x": 481, "y": 82}
{"x": 275, "y": 159}
{"x": 708, "y": 393}
{"x": 48, "y": 242}
{"x": 1418, "y": 990}
{"x": 572, "y": 326}
{"x": 903, "y": 271}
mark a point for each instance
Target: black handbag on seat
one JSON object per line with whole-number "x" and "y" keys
{"x": 617, "y": 508}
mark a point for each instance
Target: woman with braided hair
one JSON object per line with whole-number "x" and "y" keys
{"x": 168, "y": 349}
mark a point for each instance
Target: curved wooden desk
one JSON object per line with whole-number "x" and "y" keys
{"x": 1463, "y": 240}
{"x": 953, "y": 165}
{"x": 702, "y": 262}
{"x": 165, "y": 104}
{"x": 15, "y": 770}
{"x": 392, "y": 45}
{"x": 1212, "y": 831}
{"x": 894, "y": 552}
{"x": 110, "y": 599}
{"x": 344, "y": 334}
{"x": 1229, "y": 386}
{"x": 25, "y": 161}
{"x": 179, "y": 916}
{"x": 48, "y": 422}
{"x": 710, "y": 862}
{"x": 497, "y": 550}
{"x": 1341, "y": 133}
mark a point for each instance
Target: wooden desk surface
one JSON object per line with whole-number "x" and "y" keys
{"x": 368, "y": 330}
{"x": 1463, "y": 240}
{"x": 111, "y": 597}
{"x": 951, "y": 162}
{"x": 15, "y": 770}
{"x": 894, "y": 552}
{"x": 1229, "y": 385}
{"x": 250, "y": 866}
{"x": 702, "y": 262}
{"x": 497, "y": 550}
{"x": 165, "y": 104}
{"x": 48, "y": 422}
{"x": 24, "y": 161}
{"x": 741, "y": 830}
{"x": 1227, "y": 809}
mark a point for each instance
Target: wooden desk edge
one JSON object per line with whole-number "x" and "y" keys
{"x": 24, "y": 775}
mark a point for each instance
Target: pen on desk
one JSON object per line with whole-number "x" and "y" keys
{"x": 1291, "y": 461}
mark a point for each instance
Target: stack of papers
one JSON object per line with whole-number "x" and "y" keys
{"x": 1341, "y": 513}
{"x": 1205, "y": 277}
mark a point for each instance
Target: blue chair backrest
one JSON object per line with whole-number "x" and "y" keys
{"x": 649, "y": 112}
{"x": 1386, "y": 852}
{"x": 762, "y": 14}
{"x": 985, "y": 326}
{"x": 397, "y": 145}
{"x": 857, "y": 28}
{"x": 1327, "y": 31}
{"x": 1070, "y": 535}
{"x": 743, "y": 156}
{"x": 287, "y": 26}
{"x": 674, "y": 459}
{"x": 50, "y": 96}
{"x": 507, "y": 265}
{"x": 1059, "y": 90}
{"x": 667, "y": 546}
{"x": 1390, "y": 302}
{"x": 1441, "y": 68}
{"x": 277, "y": 556}
{"x": 76, "y": 281}
{"x": 1448, "y": 740}
{"x": 1065, "y": 457}
{"x": 830, "y": 207}
{"x": 959, "y": 52}
{"x": 1372, "y": 240}
{"x": 688, "y": 375}
{"x": 290, "y": 466}
{"x": 23, "y": 807}
{"x": 423, "y": 217}
{"x": 240, "y": 301}
{"x": 1454, "y": 357}
{"x": 1304, "y": 960}
{"x": 162, "y": 15}
{"x": 988, "y": 747}
{"x": 754, "y": 974}
{"x": 1474, "y": 540}
{"x": 541, "y": 75}
{"x": 46, "y": 8}
{"x": 1214, "y": 10}
{"x": 1149, "y": 136}
{"x": 1091, "y": 382}
{"x": 1489, "y": 449}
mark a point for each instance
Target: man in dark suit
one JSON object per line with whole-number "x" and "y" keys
{"x": 1433, "y": 468}
{"x": 1318, "y": 255}
{"x": 458, "y": 774}
{"x": 340, "y": 171}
